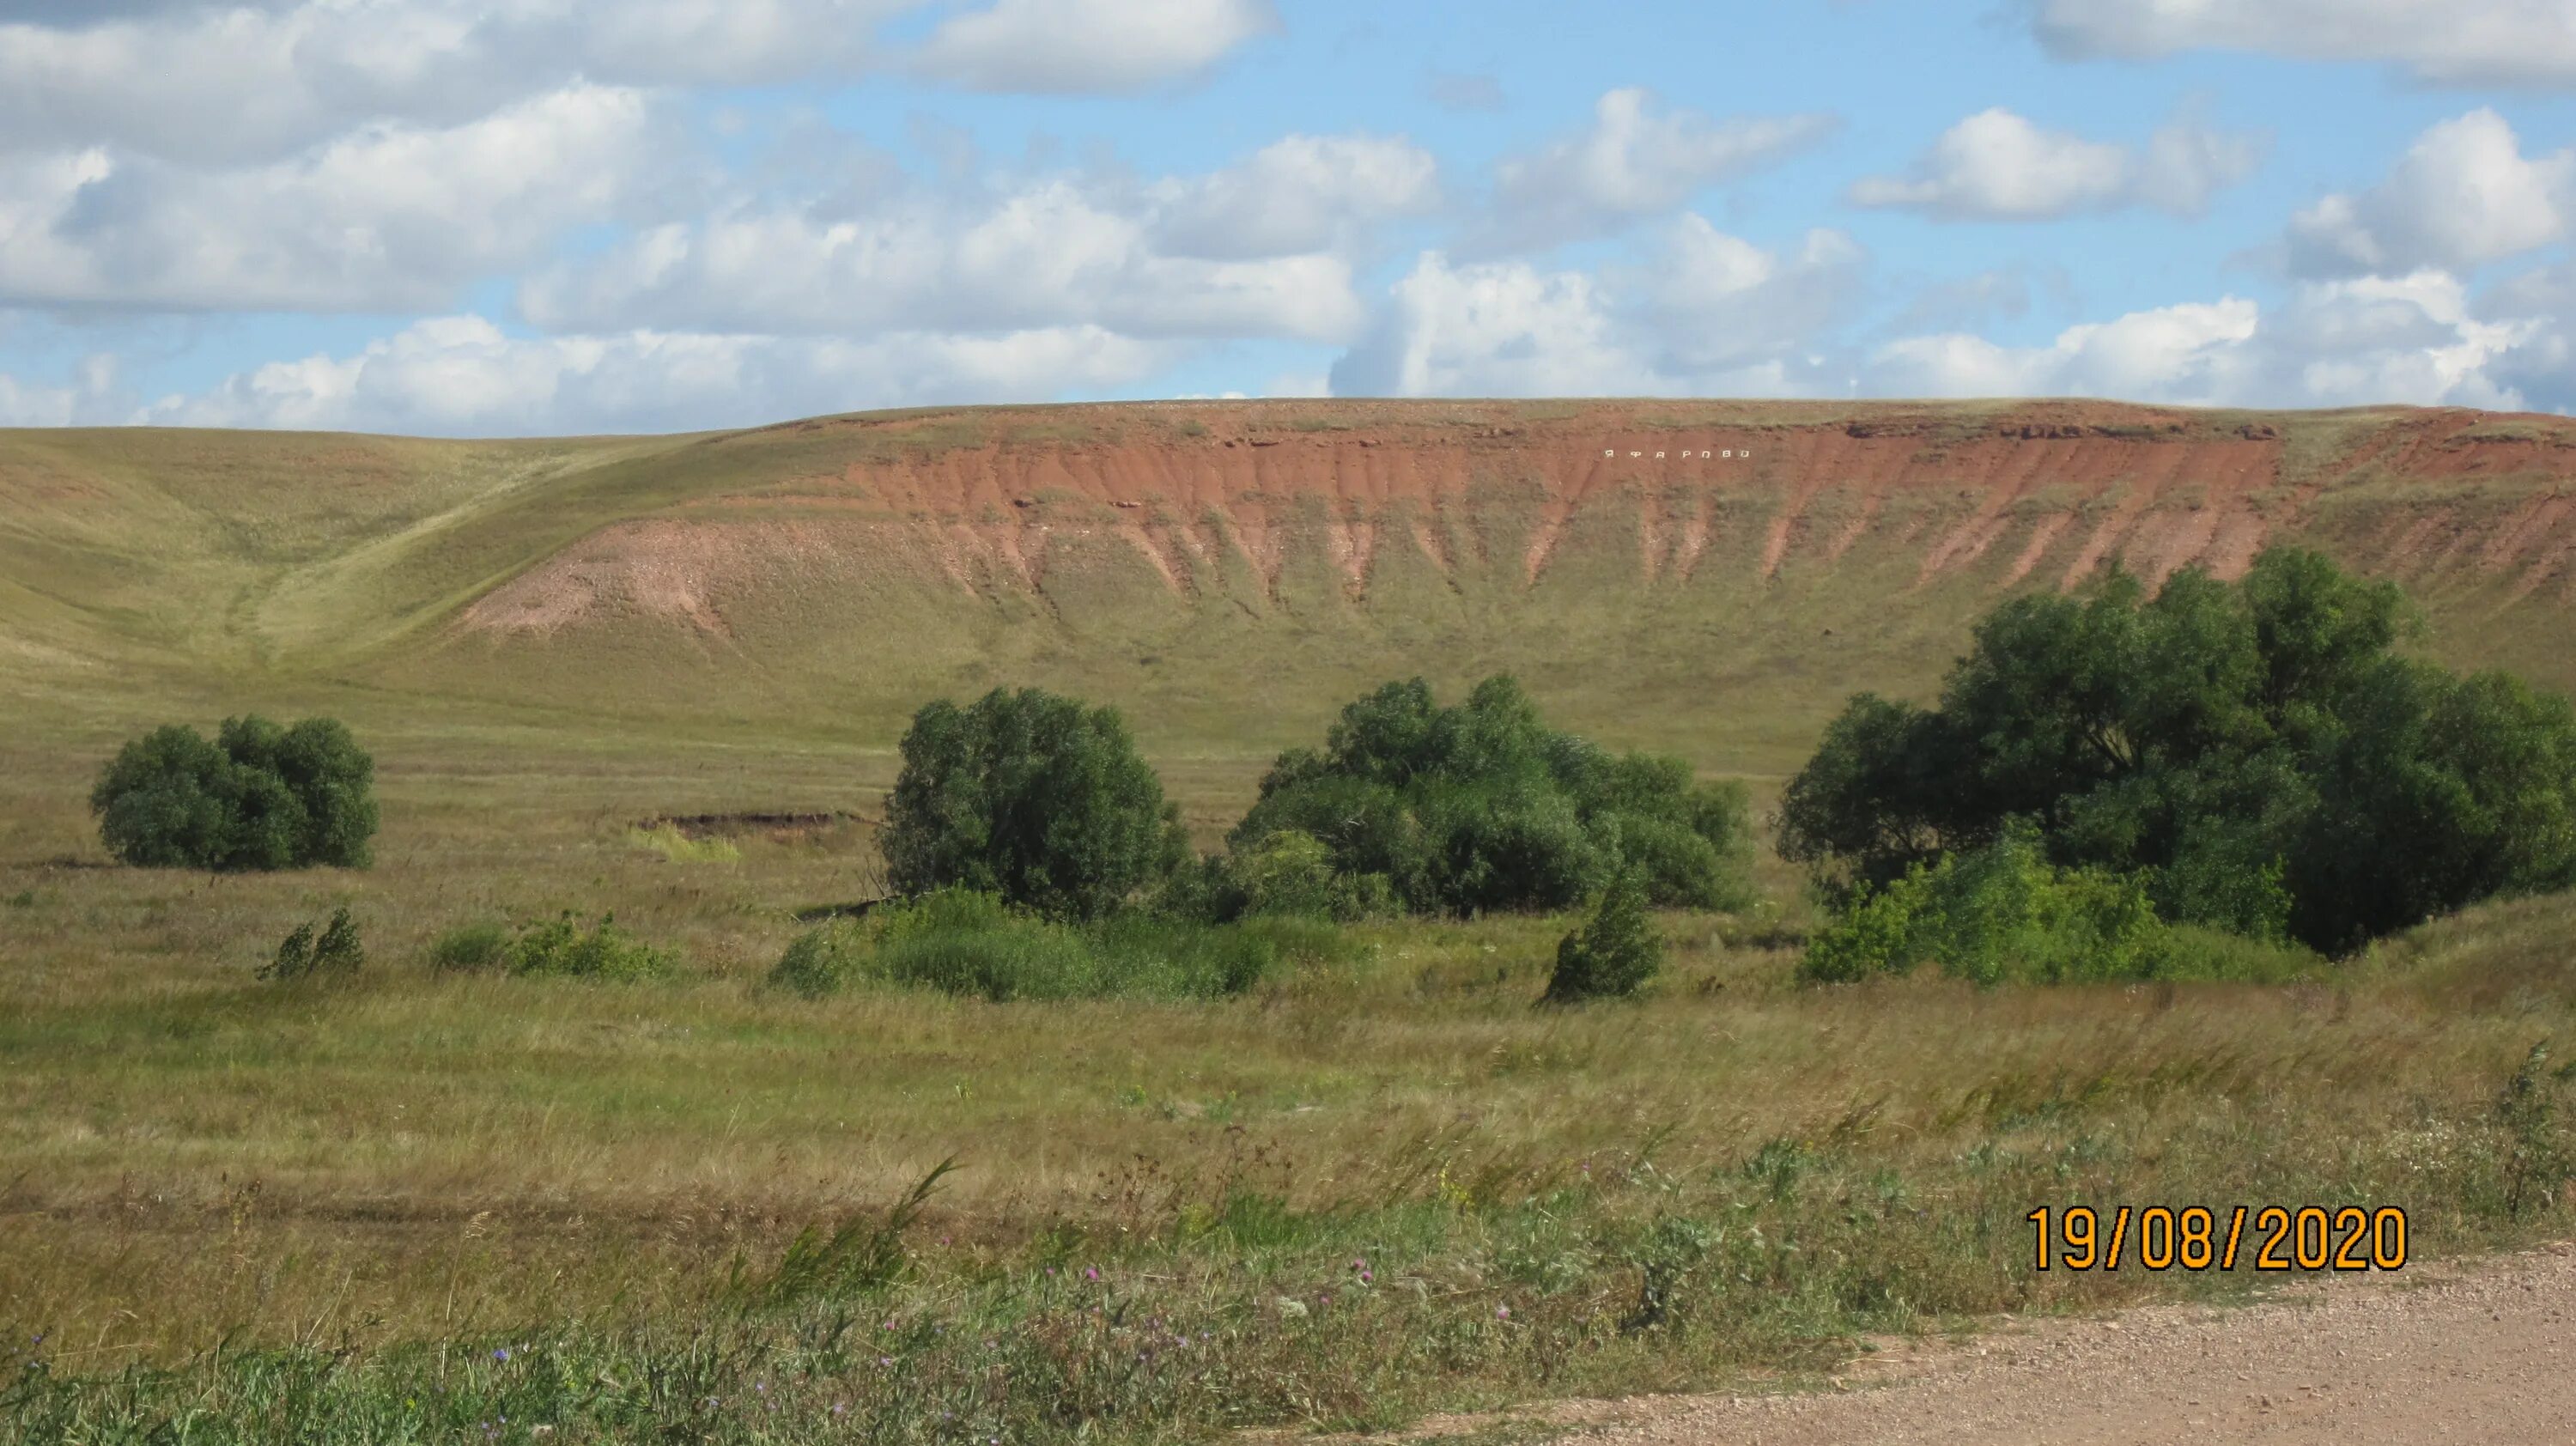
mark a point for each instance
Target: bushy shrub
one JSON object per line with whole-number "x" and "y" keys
{"x": 336, "y": 954}
{"x": 2255, "y": 753}
{"x": 1482, "y": 806}
{"x": 1997, "y": 914}
{"x": 1615, "y": 952}
{"x": 1288, "y": 874}
{"x": 968, "y": 941}
{"x": 257, "y": 797}
{"x": 965, "y": 942}
{"x": 821, "y": 961}
{"x": 479, "y": 945}
{"x": 1030, "y": 796}
{"x": 562, "y": 947}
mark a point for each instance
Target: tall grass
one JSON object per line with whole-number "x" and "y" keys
{"x": 367, "y": 1190}
{"x": 1185, "y": 1303}
{"x": 667, "y": 840}
{"x": 960, "y": 942}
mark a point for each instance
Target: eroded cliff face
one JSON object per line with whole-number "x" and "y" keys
{"x": 1216, "y": 505}
{"x": 1238, "y": 564}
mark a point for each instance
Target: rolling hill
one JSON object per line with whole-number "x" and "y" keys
{"x": 1711, "y": 577}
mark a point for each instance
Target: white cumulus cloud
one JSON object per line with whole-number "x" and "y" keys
{"x": 2468, "y": 42}
{"x": 1997, "y": 165}
{"x": 463, "y": 376}
{"x": 1636, "y": 159}
{"x": 1298, "y": 194}
{"x": 2338, "y": 343}
{"x": 232, "y": 83}
{"x": 2463, "y": 195}
{"x": 387, "y": 217}
{"x": 1264, "y": 248}
{"x": 1697, "y": 310}
{"x": 89, "y": 397}
{"x": 1078, "y": 46}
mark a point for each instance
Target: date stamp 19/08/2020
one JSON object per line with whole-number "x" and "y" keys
{"x": 2196, "y": 1237}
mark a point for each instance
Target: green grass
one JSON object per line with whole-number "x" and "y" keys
{"x": 361, "y": 1189}
{"x": 210, "y": 569}
{"x": 667, "y": 840}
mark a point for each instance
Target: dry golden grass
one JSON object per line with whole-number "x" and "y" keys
{"x": 193, "y": 1152}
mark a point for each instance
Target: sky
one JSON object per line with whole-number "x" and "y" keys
{"x": 525, "y": 217}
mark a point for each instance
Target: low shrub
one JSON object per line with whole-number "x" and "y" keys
{"x": 1015, "y": 959}
{"x": 561, "y": 947}
{"x": 1614, "y": 953}
{"x": 479, "y": 945}
{"x": 2199, "y": 952}
{"x": 2005, "y": 914}
{"x": 821, "y": 961}
{"x": 1287, "y": 874}
{"x": 965, "y": 942}
{"x": 337, "y": 953}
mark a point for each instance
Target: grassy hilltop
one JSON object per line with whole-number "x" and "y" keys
{"x": 1228, "y": 570}
{"x": 663, "y": 677}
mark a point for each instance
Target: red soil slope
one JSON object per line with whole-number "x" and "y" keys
{"x": 2035, "y": 494}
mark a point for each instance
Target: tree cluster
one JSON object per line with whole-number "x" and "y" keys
{"x": 1483, "y": 806}
{"x": 2258, "y": 752}
{"x": 256, "y": 797}
{"x": 1410, "y": 805}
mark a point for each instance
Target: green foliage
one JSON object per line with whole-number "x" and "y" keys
{"x": 966, "y": 942}
{"x": 667, "y": 840}
{"x": 1291, "y": 873}
{"x": 821, "y": 961}
{"x": 336, "y": 954}
{"x": 1031, "y": 796}
{"x": 1482, "y": 806}
{"x": 1614, "y": 953}
{"x": 2003, "y": 913}
{"x": 2433, "y": 792}
{"x": 257, "y": 797}
{"x": 561, "y": 947}
{"x": 1875, "y": 797}
{"x": 2253, "y": 752}
{"x": 2537, "y": 1163}
{"x": 479, "y": 945}
{"x": 1288, "y": 874}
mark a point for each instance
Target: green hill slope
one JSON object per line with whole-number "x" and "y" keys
{"x": 1712, "y": 577}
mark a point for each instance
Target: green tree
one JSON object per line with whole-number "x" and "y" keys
{"x": 1481, "y": 805}
{"x": 1878, "y": 796}
{"x": 257, "y": 797}
{"x": 2253, "y": 752}
{"x": 1615, "y": 953}
{"x": 1034, "y": 797}
{"x": 2433, "y": 792}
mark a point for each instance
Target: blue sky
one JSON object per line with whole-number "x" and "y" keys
{"x": 535, "y": 216}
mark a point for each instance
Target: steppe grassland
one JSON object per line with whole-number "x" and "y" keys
{"x": 192, "y": 1154}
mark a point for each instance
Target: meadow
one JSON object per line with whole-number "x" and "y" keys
{"x": 1736, "y": 1180}
{"x": 422, "y": 1205}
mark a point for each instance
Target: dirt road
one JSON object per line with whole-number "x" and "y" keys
{"x": 2484, "y": 1354}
